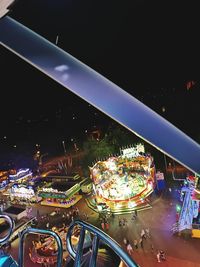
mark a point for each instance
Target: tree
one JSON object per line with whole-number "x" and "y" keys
{"x": 115, "y": 137}
{"x": 119, "y": 136}
{"x": 96, "y": 150}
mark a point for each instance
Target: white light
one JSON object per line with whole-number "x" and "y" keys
{"x": 4, "y": 7}
{"x": 61, "y": 68}
{"x": 131, "y": 204}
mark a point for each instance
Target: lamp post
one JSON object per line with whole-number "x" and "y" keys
{"x": 65, "y": 152}
{"x": 165, "y": 160}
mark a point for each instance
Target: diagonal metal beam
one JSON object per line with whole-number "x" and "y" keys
{"x": 100, "y": 92}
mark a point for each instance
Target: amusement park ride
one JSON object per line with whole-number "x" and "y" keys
{"x": 118, "y": 104}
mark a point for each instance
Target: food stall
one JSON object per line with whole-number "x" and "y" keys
{"x": 23, "y": 193}
{"x": 21, "y": 175}
{"x": 61, "y": 199}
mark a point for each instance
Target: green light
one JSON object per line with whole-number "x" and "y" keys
{"x": 178, "y": 208}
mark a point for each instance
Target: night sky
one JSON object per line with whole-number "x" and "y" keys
{"x": 148, "y": 48}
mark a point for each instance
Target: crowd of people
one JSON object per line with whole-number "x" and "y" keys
{"x": 139, "y": 243}
{"x": 59, "y": 218}
{"x": 134, "y": 244}
{"x": 131, "y": 243}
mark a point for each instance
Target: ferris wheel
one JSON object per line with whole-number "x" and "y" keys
{"x": 97, "y": 90}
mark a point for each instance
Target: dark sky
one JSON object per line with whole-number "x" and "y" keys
{"x": 148, "y": 48}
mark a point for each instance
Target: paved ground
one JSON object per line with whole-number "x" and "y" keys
{"x": 180, "y": 251}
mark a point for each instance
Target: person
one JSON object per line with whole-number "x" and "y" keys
{"x": 107, "y": 225}
{"x": 147, "y": 232}
{"x": 124, "y": 222}
{"x": 152, "y": 248}
{"x": 102, "y": 223}
{"x": 77, "y": 211}
{"x": 133, "y": 216}
{"x": 125, "y": 241}
{"x": 158, "y": 256}
{"x": 141, "y": 243}
{"x": 143, "y": 234}
{"x": 162, "y": 255}
{"x": 129, "y": 248}
{"x": 38, "y": 214}
{"x": 136, "y": 243}
{"x": 136, "y": 213}
{"x": 47, "y": 225}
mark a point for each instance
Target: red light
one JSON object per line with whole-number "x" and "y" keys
{"x": 190, "y": 84}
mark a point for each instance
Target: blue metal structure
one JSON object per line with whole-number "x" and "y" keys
{"x": 99, "y": 235}
{"x": 11, "y": 227}
{"x": 5, "y": 259}
{"x": 30, "y": 230}
{"x": 99, "y": 92}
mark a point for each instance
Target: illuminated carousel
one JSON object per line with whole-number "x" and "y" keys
{"x": 123, "y": 183}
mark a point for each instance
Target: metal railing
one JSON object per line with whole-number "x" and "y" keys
{"x": 10, "y": 230}
{"x": 7, "y": 260}
{"x": 98, "y": 236}
{"x": 30, "y": 230}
